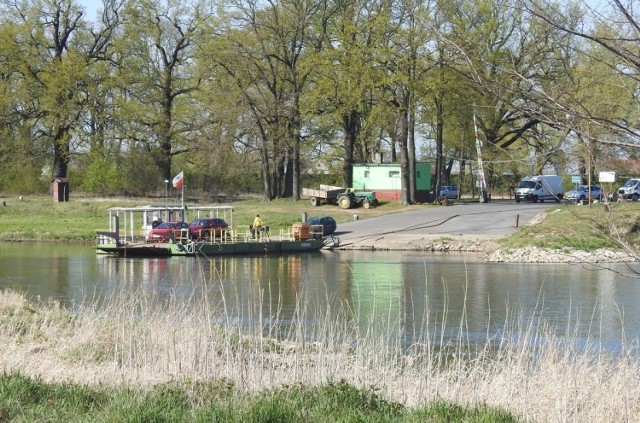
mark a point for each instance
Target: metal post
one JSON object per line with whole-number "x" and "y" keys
{"x": 166, "y": 191}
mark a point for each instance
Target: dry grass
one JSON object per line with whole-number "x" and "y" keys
{"x": 136, "y": 340}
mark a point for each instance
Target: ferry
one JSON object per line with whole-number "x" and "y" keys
{"x": 138, "y": 221}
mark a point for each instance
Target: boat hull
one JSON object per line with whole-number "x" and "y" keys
{"x": 212, "y": 248}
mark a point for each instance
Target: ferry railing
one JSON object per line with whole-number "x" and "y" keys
{"x": 316, "y": 231}
{"x": 108, "y": 237}
{"x": 232, "y": 235}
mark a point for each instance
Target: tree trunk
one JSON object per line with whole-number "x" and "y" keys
{"x": 412, "y": 153}
{"x": 439, "y": 148}
{"x": 404, "y": 157}
{"x": 61, "y": 153}
{"x": 351, "y": 127}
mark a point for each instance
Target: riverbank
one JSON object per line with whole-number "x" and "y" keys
{"x": 501, "y": 231}
{"x": 178, "y": 353}
{"x": 547, "y": 233}
{"x": 491, "y": 250}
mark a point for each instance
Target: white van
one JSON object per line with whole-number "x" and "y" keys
{"x": 630, "y": 190}
{"x": 540, "y": 188}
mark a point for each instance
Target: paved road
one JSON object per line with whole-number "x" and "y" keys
{"x": 462, "y": 220}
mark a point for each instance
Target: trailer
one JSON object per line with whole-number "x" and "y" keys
{"x": 326, "y": 194}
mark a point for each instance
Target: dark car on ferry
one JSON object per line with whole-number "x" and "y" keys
{"x": 166, "y": 231}
{"x": 205, "y": 228}
{"x": 322, "y": 226}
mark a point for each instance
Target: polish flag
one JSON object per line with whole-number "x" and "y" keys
{"x": 178, "y": 181}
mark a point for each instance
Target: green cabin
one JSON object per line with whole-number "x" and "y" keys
{"x": 384, "y": 179}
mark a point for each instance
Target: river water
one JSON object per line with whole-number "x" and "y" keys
{"x": 417, "y": 294}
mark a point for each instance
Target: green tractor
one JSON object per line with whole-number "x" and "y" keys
{"x": 351, "y": 199}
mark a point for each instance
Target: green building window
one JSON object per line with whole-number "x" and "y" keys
{"x": 394, "y": 174}
{"x": 366, "y": 173}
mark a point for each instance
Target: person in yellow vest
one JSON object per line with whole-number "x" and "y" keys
{"x": 256, "y": 227}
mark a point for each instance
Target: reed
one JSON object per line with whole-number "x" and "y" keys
{"x": 139, "y": 340}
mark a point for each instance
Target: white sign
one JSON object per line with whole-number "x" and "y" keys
{"x": 575, "y": 179}
{"x": 607, "y": 177}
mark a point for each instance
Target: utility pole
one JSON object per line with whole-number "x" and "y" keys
{"x": 481, "y": 178}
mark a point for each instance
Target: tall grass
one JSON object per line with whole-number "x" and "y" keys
{"x": 137, "y": 341}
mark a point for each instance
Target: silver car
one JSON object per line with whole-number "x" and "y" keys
{"x": 449, "y": 191}
{"x": 581, "y": 193}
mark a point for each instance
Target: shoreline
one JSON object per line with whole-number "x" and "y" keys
{"x": 485, "y": 245}
{"x": 489, "y": 249}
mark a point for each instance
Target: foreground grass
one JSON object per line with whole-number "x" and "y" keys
{"x": 30, "y": 399}
{"x": 40, "y": 219}
{"x": 137, "y": 358}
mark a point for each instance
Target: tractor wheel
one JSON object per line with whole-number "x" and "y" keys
{"x": 366, "y": 204}
{"x": 315, "y": 201}
{"x": 344, "y": 201}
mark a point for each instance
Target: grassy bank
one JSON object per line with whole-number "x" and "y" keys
{"x": 131, "y": 360}
{"x": 39, "y": 219}
{"x": 582, "y": 227}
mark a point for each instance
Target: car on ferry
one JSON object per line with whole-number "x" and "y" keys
{"x": 166, "y": 231}
{"x": 322, "y": 226}
{"x": 204, "y": 228}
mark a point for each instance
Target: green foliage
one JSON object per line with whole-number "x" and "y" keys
{"x": 24, "y": 179}
{"x": 140, "y": 174}
{"x": 234, "y": 101}
{"x": 102, "y": 176}
{"x": 314, "y": 181}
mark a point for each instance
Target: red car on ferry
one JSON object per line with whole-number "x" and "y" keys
{"x": 166, "y": 231}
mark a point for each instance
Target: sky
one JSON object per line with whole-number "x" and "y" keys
{"x": 91, "y": 7}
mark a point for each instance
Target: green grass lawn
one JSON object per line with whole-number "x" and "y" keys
{"x": 40, "y": 219}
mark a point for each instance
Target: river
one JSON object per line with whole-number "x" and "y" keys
{"x": 414, "y": 293}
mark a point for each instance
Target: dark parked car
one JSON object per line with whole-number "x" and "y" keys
{"x": 204, "y": 228}
{"x": 328, "y": 224}
{"x": 165, "y": 231}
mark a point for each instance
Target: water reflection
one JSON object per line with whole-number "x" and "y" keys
{"x": 422, "y": 297}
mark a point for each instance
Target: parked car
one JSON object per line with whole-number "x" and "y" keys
{"x": 203, "y": 228}
{"x": 165, "y": 231}
{"x": 328, "y": 225}
{"x": 581, "y": 193}
{"x": 449, "y": 191}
